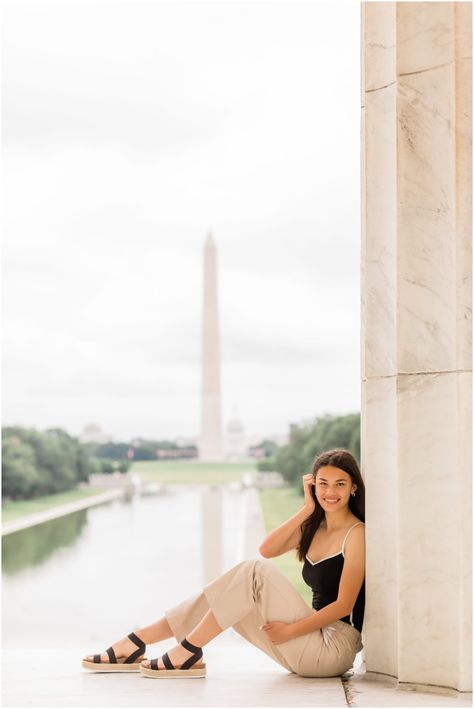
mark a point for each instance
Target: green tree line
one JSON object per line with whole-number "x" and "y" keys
{"x": 309, "y": 439}
{"x": 38, "y": 463}
{"x": 42, "y": 462}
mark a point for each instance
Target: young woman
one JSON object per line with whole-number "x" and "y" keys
{"x": 259, "y": 601}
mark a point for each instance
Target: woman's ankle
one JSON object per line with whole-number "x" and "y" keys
{"x": 155, "y": 632}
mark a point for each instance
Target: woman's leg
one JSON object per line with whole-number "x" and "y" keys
{"x": 325, "y": 652}
{"x": 184, "y": 618}
{"x": 202, "y": 634}
{"x": 249, "y": 594}
{"x": 246, "y": 596}
{"x": 160, "y": 630}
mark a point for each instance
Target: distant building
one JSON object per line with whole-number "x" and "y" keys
{"x": 93, "y": 433}
{"x": 235, "y": 440}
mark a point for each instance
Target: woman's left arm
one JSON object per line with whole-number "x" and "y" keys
{"x": 352, "y": 578}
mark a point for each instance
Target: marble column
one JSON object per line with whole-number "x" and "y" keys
{"x": 210, "y": 443}
{"x": 416, "y": 341}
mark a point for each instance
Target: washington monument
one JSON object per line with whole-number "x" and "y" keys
{"x": 210, "y": 443}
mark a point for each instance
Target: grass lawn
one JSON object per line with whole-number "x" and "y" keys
{"x": 278, "y": 504}
{"x": 190, "y": 471}
{"x": 19, "y": 508}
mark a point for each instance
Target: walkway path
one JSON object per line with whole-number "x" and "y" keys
{"x": 60, "y": 510}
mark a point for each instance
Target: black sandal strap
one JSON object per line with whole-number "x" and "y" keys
{"x": 134, "y": 655}
{"x": 112, "y": 657}
{"x": 96, "y": 658}
{"x": 191, "y": 660}
{"x": 189, "y": 646}
{"x": 167, "y": 662}
{"x": 135, "y": 639}
{"x": 154, "y": 663}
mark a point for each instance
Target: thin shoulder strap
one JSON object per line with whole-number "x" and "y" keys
{"x": 354, "y": 525}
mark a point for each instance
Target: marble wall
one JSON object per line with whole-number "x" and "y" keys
{"x": 416, "y": 340}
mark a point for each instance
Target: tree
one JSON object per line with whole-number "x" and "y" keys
{"x": 20, "y": 477}
{"x": 269, "y": 447}
{"x": 309, "y": 439}
{"x": 42, "y": 462}
{"x": 107, "y": 466}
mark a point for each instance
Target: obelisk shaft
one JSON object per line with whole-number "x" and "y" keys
{"x": 210, "y": 447}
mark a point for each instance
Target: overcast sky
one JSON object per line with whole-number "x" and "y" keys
{"x": 131, "y": 129}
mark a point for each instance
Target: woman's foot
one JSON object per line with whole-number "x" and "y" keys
{"x": 123, "y": 648}
{"x": 178, "y": 655}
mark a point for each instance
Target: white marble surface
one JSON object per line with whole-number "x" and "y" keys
{"x": 416, "y": 277}
{"x": 463, "y": 69}
{"x": 238, "y": 675}
{"x": 429, "y": 535}
{"x": 379, "y": 48}
{"x": 379, "y": 427}
{"x": 426, "y": 221}
{"x": 425, "y": 34}
{"x": 365, "y": 691}
{"x": 379, "y": 239}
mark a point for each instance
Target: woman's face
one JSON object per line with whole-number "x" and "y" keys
{"x": 333, "y": 487}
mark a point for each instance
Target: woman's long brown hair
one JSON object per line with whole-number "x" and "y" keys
{"x": 344, "y": 460}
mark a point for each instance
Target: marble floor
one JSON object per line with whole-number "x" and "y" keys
{"x": 239, "y": 675}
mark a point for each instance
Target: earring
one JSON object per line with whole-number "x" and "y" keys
{"x": 353, "y": 494}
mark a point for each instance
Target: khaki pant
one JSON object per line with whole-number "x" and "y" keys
{"x": 254, "y": 592}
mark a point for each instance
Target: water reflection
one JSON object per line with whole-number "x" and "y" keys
{"x": 90, "y": 577}
{"x": 211, "y": 505}
{"x": 34, "y": 545}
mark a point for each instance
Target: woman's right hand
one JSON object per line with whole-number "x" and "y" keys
{"x": 308, "y": 485}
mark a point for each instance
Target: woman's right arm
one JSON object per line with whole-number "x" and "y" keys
{"x": 285, "y": 537}
{"x": 288, "y": 535}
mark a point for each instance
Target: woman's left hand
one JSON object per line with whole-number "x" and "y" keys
{"x": 277, "y": 631}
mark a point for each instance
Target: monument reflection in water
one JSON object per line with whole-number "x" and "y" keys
{"x": 88, "y": 578}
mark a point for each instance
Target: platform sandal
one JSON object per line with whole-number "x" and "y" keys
{"x": 180, "y": 671}
{"x": 121, "y": 664}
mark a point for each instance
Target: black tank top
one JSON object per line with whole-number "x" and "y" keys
{"x": 323, "y": 578}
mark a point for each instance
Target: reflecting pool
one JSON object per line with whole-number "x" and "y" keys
{"x": 90, "y": 577}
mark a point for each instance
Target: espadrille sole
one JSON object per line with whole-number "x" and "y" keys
{"x": 199, "y": 671}
{"x": 111, "y": 666}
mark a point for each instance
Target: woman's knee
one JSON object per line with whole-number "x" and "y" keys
{"x": 258, "y": 569}
{"x": 258, "y": 562}
{"x": 262, "y": 563}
